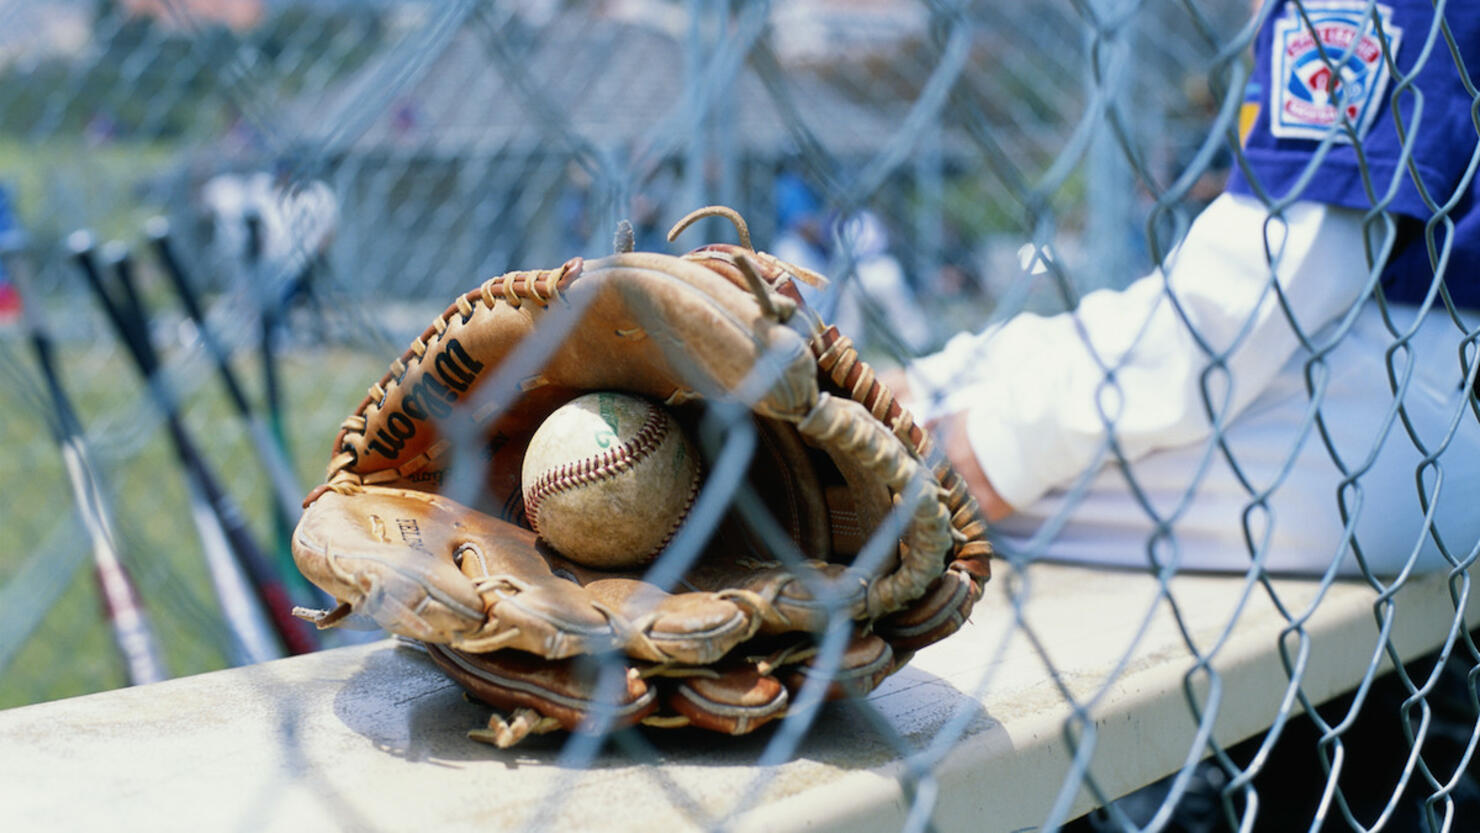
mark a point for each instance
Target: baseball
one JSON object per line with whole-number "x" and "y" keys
{"x": 607, "y": 480}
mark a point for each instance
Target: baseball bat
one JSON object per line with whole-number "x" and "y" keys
{"x": 123, "y": 608}
{"x": 267, "y": 310}
{"x": 226, "y": 543}
{"x": 267, "y": 352}
{"x": 287, "y": 492}
{"x": 296, "y": 635}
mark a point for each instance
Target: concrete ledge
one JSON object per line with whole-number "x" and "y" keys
{"x": 372, "y": 737}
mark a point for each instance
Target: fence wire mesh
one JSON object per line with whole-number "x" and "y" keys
{"x": 332, "y": 174}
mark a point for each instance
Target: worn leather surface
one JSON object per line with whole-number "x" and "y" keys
{"x": 835, "y": 458}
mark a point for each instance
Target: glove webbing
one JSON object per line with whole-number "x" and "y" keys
{"x": 513, "y": 288}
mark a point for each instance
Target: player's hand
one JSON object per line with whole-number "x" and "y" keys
{"x": 950, "y": 432}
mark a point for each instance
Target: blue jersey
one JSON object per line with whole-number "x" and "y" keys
{"x": 1299, "y": 100}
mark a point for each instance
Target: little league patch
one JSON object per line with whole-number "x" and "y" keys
{"x": 1308, "y": 100}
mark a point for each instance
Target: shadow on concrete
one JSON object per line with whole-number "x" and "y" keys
{"x": 401, "y": 702}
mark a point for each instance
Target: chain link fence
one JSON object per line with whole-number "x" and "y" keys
{"x": 331, "y": 174}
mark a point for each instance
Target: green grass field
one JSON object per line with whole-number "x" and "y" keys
{"x": 71, "y": 651}
{"x": 90, "y": 185}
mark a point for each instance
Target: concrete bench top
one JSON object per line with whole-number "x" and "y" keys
{"x": 373, "y": 736}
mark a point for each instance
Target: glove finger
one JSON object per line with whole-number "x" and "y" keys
{"x": 865, "y": 662}
{"x": 387, "y": 554}
{"x": 693, "y": 628}
{"x": 735, "y": 701}
{"x": 552, "y": 621}
{"x": 568, "y": 691}
{"x": 939, "y": 613}
{"x": 741, "y": 699}
{"x": 529, "y": 605}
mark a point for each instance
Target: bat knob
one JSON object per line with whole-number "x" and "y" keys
{"x": 80, "y": 241}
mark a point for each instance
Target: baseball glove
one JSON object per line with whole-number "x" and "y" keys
{"x": 722, "y": 641}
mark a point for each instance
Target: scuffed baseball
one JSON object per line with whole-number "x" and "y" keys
{"x": 608, "y": 478}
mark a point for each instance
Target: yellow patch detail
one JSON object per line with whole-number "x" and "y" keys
{"x": 1247, "y": 115}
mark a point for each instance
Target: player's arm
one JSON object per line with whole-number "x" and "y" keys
{"x": 1024, "y": 401}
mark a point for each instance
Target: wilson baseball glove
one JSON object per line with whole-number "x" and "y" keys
{"x": 843, "y": 514}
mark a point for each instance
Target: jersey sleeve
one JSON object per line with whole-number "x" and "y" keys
{"x": 1043, "y": 397}
{"x": 1395, "y": 80}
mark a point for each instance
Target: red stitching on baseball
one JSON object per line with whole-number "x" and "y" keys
{"x": 568, "y": 476}
{"x": 678, "y": 521}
